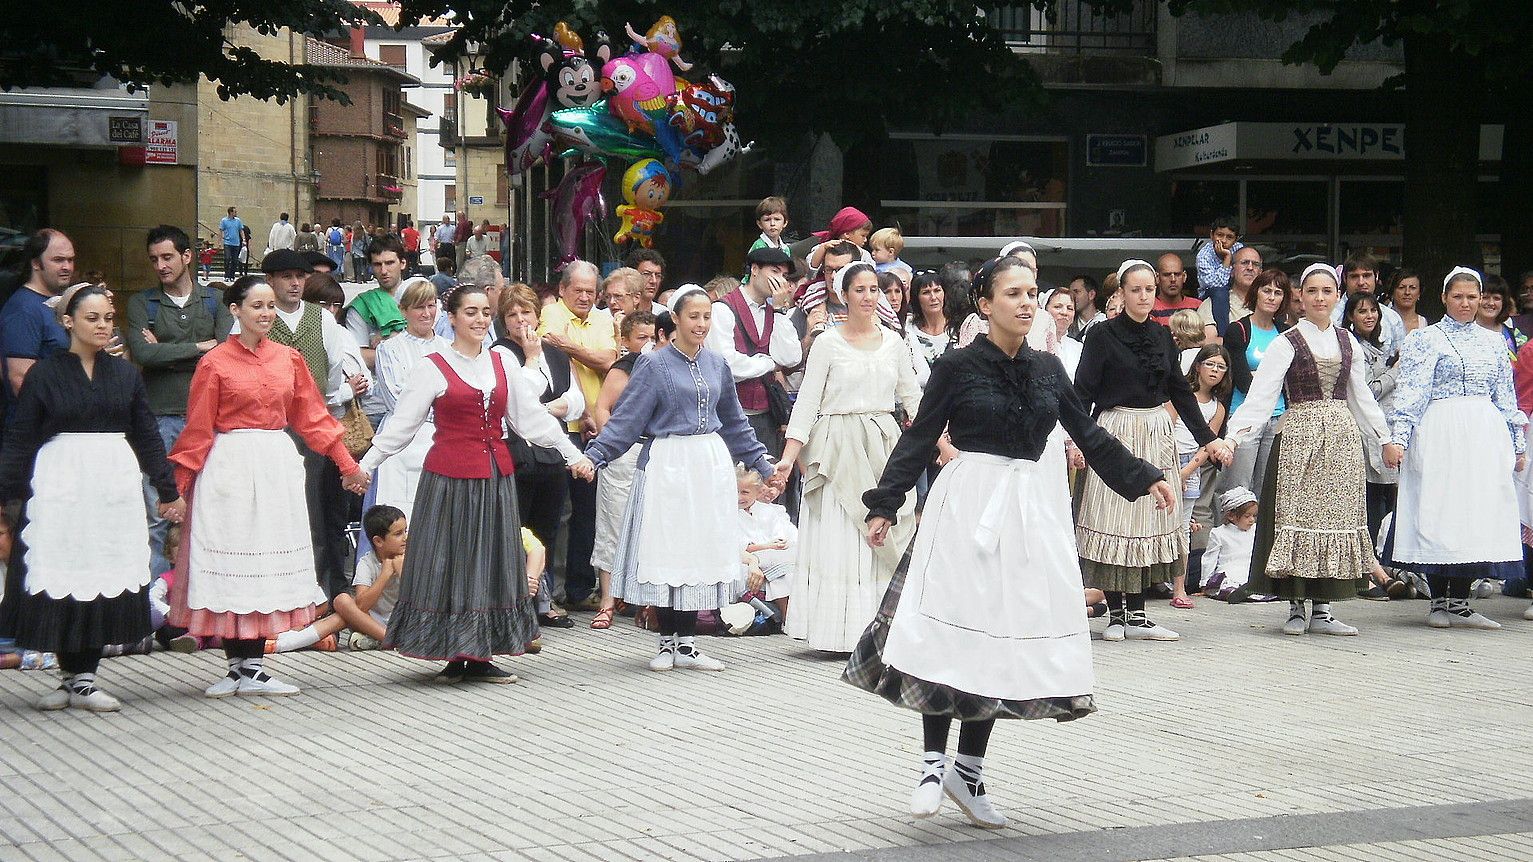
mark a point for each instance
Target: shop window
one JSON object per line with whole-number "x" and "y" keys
{"x": 23, "y": 209}
{"x": 960, "y": 185}
{"x": 1196, "y": 203}
{"x": 1371, "y": 217}
{"x": 1288, "y": 218}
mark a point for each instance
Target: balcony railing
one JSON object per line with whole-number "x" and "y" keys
{"x": 1079, "y": 28}
{"x": 393, "y": 125}
{"x": 389, "y": 187}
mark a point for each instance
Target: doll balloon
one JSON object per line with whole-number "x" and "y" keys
{"x": 663, "y": 39}
{"x": 576, "y": 201}
{"x": 647, "y": 188}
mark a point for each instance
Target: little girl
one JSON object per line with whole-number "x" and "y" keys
{"x": 1210, "y": 379}
{"x": 1228, "y": 556}
{"x": 1188, "y": 333}
{"x": 770, "y": 538}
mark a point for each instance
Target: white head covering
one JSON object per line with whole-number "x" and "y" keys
{"x": 1462, "y": 270}
{"x": 1234, "y": 498}
{"x": 1130, "y": 264}
{"x": 838, "y": 289}
{"x": 1015, "y": 246}
{"x": 680, "y": 293}
{"x": 1320, "y": 267}
{"x": 61, "y": 302}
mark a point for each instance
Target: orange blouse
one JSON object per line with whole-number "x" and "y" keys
{"x": 269, "y": 388}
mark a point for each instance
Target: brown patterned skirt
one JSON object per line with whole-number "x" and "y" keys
{"x": 1312, "y": 528}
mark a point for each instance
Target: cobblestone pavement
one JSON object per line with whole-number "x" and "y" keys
{"x": 1236, "y": 744}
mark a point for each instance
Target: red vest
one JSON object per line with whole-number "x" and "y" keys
{"x": 468, "y": 435}
{"x": 753, "y": 394}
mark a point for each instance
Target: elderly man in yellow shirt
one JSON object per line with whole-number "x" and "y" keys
{"x": 584, "y": 333}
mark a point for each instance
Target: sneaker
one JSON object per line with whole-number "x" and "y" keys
{"x": 1439, "y": 618}
{"x": 183, "y": 644}
{"x": 95, "y": 701}
{"x": 483, "y": 671}
{"x": 1374, "y": 593}
{"x": 262, "y": 685}
{"x": 689, "y": 657}
{"x": 1330, "y": 626}
{"x": 926, "y": 799}
{"x": 1528, "y": 614}
{"x": 359, "y": 641}
{"x": 1398, "y": 590}
{"x": 1150, "y": 632}
{"x": 1473, "y": 620}
{"x": 975, "y": 803}
{"x": 665, "y": 659}
{"x": 1296, "y": 625}
{"x": 224, "y": 687}
{"x": 328, "y": 643}
{"x": 1113, "y": 632}
{"x": 54, "y": 700}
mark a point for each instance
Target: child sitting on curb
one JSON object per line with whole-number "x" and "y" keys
{"x": 366, "y": 607}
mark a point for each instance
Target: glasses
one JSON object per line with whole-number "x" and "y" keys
{"x": 1253, "y": 264}
{"x": 1214, "y": 365}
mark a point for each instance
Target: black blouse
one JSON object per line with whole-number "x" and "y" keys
{"x": 1006, "y": 406}
{"x": 57, "y": 398}
{"x": 1129, "y": 364}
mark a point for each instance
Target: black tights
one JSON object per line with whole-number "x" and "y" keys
{"x": 80, "y": 662}
{"x": 973, "y": 736}
{"x": 252, "y": 648}
{"x": 682, "y": 624}
{"x": 1445, "y": 587}
{"x": 1116, "y": 601}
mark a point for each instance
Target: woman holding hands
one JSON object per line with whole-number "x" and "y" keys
{"x": 82, "y": 436}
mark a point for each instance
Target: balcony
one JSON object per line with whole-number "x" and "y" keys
{"x": 1079, "y": 29}
{"x": 389, "y": 187}
{"x": 393, "y": 126}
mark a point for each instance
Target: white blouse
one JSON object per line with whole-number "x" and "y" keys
{"x": 397, "y": 357}
{"x": 426, "y": 384}
{"x": 843, "y": 379}
{"x": 1267, "y": 384}
{"x": 538, "y": 376}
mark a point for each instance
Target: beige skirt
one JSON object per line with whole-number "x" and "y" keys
{"x": 1127, "y": 545}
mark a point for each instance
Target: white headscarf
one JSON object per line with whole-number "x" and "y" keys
{"x": 1012, "y": 248}
{"x": 1130, "y": 264}
{"x": 680, "y": 293}
{"x": 1320, "y": 267}
{"x": 1462, "y": 270}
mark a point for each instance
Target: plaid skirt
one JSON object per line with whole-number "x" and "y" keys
{"x": 866, "y": 670}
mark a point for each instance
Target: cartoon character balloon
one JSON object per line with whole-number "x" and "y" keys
{"x": 569, "y": 73}
{"x": 647, "y": 188}
{"x": 577, "y": 201}
{"x": 663, "y": 39}
{"x": 700, "y": 112}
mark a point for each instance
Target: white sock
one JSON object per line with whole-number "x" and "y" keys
{"x": 970, "y": 769}
{"x": 1322, "y": 610}
{"x": 250, "y": 668}
{"x": 82, "y": 683}
{"x": 305, "y": 637}
{"x": 1295, "y": 608}
{"x": 933, "y": 765}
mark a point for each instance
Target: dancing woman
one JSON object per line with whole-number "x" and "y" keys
{"x": 83, "y": 434}
{"x": 1129, "y": 370}
{"x": 463, "y": 596}
{"x": 682, "y": 397}
{"x": 1458, "y": 437}
{"x": 248, "y": 559}
{"x": 987, "y": 620}
{"x": 1312, "y": 541}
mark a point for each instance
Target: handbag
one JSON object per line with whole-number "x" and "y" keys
{"x": 779, "y": 404}
{"x": 358, "y": 431}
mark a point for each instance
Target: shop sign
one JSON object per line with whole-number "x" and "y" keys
{"x": 1116, "y": 151}
{"x": 1207, "y": 145}
{"x": 163, "y": 145}
{"x": 125, "y": 130}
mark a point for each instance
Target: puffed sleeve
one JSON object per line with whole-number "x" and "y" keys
{"x": 631, "y": 415}
{"x": 144, "y": 436}
{"x": 310, "y": 418}
{"x": 1365, "y": 408}
{"x": 1413, "y": 390}
{"x": 526, "y": 414}
{"x": 1128, "y": 476}
{"x": 22, "y": 440}
{"x": 918, "y": 444}
{"x": 806, "y": 408}
{"x": 196, "y": 439}
{"x": 736, "y": 429}
{"x": 1088, "y": 371}
{"x": 906, "y": 389}
{"x": 1261, "y": 399}
{"x": 1504, "y": 395}
{"x": 423, "y": 386}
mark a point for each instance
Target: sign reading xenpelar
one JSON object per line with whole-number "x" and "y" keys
{"x": 1296, "y": 142}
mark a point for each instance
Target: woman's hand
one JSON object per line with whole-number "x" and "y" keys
{"x": 754, "y": 579}
{"x": 878, "y": 530}
{"x": 175, "y": 510}
{"x": 1221, "y": 451}
{"x": 534, "y": 580}
{"x": 357, "y": 482}
{"x": 1074, "y": 457}
{"x": 1522, "y": 461}
{"x": 946, "y": 451}
{"x": 1161, "y": 491}
{"x": 583, "y": 469}
{"x": 1394, "y": 454}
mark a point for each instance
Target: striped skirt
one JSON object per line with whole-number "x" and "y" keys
{"x": 1127, "y": 545}
{"x": 463, "y": 592}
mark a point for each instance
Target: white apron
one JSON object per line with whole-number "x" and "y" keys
{"x": 1458, "y": 502}
{"x": 88, "y": 481}
{"x": 250, "y": 546}
{"x": 992, "y": 602}
{"x": 690, "y": 534}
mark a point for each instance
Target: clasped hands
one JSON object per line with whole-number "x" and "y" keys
{"x": 174, "y": 511}
{"x": 357, "y": 482}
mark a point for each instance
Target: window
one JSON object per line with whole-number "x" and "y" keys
{"x": 450, "y": 197}
{"x": 409, "y": 165}
{"x": 502, "y": 187}
{"x": 1197, "y": 202}
{"x": 392, "y": 55}
{"x": 450, "y": 157}
{"x": 450, "y": 107}
{"x": 973, "y": 185}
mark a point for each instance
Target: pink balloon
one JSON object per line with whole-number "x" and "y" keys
{"x": 637, "y": 84}
{"x": 529, "y": 137}
{"x": 577, "y": 201}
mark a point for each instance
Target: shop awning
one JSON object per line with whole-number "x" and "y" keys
{"x": 1296, "y": 142}
{"x": 107, "y": 117}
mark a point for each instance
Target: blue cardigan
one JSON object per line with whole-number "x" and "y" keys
{"x": 670, "y": 395}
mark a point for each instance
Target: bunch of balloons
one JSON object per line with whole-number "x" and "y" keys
{"x": 637, "y": 110}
